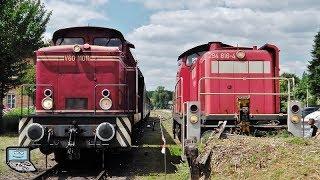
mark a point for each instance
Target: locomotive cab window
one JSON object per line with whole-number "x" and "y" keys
{"x": 240, "y": 67}
{"x": 69, "y": 41}
{"x": 179, "y": 62}
{"x": 191, "y": 59}
{"x": 109, "y": 42}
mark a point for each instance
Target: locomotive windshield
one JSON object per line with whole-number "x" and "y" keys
{"x": 193, "y": 57}
{"x": 110, "y": 42}
{"x": 69, "y": 41}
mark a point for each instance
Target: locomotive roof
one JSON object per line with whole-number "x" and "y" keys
{"x": 90, "y": 29}
{"x": 202, "y": 47}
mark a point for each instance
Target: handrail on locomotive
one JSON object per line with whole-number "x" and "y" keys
{"x": 290, "y": 81}
{"x": 289, "y": 93}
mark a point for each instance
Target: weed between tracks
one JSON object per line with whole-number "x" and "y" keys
{"x": 241, "y": 157}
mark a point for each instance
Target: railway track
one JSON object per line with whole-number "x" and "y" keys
{"x": 143, "y": 160}
{"x": 60, "y": 172}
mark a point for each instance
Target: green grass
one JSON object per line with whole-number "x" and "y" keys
{"x": 182, "y": 172}
{"x": 5, "y": 141}
{"x": 12, "y": 140}
{"x": 175, "y": 150}
{"x": 298, "y": 141}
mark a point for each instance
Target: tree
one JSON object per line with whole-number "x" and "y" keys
{"x": 314, "y": 67}
{"x": 22, "y": 24}
{"x": 284, "y": 88}
{"x": 160, "y": 97}
{"x": 302, "y": 90}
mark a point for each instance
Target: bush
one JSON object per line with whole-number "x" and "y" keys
{"x": 10, "y": 121}
{"x": 183, "y": 171}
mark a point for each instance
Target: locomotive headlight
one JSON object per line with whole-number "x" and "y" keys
{"x": 35, "y": 132}
{"x": 76, "y": 48}
{"x": 240, "y": 54}
{"x": 105, "y": 131}
{"x": 295, "y": 119}
{"x": 194, "y": 119}
{"x": 47, "y": 103}
{"x": 105, "y": 103}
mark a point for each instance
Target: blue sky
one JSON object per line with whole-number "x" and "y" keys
{"x": 163, "y": 29}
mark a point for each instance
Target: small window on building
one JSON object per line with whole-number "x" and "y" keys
{"x": 11, "y": 101}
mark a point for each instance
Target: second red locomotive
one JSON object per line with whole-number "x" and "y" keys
{"x": 218, "y": 83}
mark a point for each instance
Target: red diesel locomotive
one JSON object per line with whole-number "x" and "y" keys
{"x": 240, "y": 85}
{"x": 90, "y": 94}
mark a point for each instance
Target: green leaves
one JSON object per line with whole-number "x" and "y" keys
{"x": 22, "y": 24}
{"x": 314, "y": 67}
{"x": 160, "y": 97}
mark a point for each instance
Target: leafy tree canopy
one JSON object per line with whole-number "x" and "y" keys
{"x": 314, "y": 67}
{"x": 22, "y": 24}
{"x": 160, "y": 97}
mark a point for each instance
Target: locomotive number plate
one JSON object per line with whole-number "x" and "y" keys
{"x": 76, "y": 58}
{"x": 223, "y": 55}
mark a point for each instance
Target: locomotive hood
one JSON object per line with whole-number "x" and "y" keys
{"x": 70, "y": 48}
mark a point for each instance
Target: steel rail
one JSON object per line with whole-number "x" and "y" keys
{"x": 102, "y": 175}
{"x": 45, "y": 173}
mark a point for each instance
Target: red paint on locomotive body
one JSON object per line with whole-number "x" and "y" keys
{"x": 90, "y": 93}
{"x": 73, "y": 76}
{"x": 214, "y": 75}
{"x": 76, "y": 78}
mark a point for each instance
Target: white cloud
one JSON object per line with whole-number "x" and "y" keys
{"x": 180, "y": 25}
{"x": 72, "y": 13}
{"x": 265, "y": 5}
